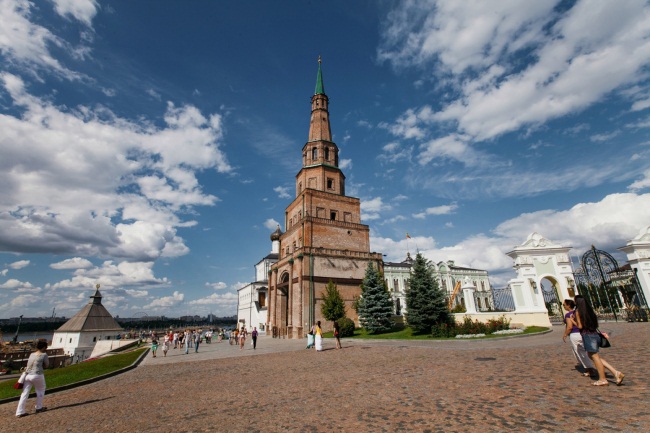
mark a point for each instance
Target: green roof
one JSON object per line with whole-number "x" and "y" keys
{"x": 320, "y": 88}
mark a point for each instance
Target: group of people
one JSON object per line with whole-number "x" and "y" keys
{"x": 238, "y": 336}
{"x": 315, "y": 337}
{"x": 193, "y": 338}
{"x": 582, "y": 329}
{"x": 188, "y": 339}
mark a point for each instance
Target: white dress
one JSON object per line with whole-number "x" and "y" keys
{"x": 319, "y": 340}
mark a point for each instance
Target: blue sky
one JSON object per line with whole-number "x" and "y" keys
{"x": 152, "y": 146}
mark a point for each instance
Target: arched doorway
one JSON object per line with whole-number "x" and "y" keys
{"x": 552, "y": 299}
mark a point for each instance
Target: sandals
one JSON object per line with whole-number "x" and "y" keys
{"x": 586, "y": 374}
{"x": 619, "y": 378}
{"x": 601, "y": 383}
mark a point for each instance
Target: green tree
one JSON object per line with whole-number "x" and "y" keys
{"x": 425, "y": 301}
{"x": 375, "y": 307}
{"x": 333, "y": 306}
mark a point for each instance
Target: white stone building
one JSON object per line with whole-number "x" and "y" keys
{"x": 93, "y": 323}
{"x": 448, "y": 274}
{"x": 252, "y": 298}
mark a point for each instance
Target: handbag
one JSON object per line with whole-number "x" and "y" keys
{"x": 21, "y": 381}
{"x": 604, "y": 342}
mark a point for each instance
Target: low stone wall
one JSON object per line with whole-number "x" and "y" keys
{"x": 106, "y": 346}
{"x": 516, "y": 319}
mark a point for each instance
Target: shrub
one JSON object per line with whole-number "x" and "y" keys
{"x": 459, "y": 308}
{"x": 500, "y": 324}
{"x": 9, "y": 365}
{"x": 346, "y": 327}
{"x": 444, "y": 330}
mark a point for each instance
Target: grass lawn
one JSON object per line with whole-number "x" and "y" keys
{"x": 77, "y": 372}
{"x": 407, "y": 334}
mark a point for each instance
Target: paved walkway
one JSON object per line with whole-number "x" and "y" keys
{"x": 526, "y": 384}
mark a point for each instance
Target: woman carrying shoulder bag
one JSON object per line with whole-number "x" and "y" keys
{"x": 588, "y": 324}
{"x": 36, "y": 365}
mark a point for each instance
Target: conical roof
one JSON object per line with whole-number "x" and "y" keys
{"x": 92, "y": 317}
{"x": 320, "y": 87}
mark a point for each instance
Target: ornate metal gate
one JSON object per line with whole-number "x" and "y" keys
{"x": 612, "y": 291}
{"x": 552, "y": 301}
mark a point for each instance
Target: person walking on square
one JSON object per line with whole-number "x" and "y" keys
{"x": 254, "y": 337}
{"x": 165, "y": 346}
{"x": 573, "y": 332}
{"x": 242, "y": 338}
{"x": 337, "y": 335}
{"x": 36, "y": 365}
{"x": 197, "y": 340}
{"x": 154, "y": 344}
{"x": 318, "y": 337}
{"x": 588, "y": 324}
{"x": 186, "y": 340}
{"x": 310, "y": 337}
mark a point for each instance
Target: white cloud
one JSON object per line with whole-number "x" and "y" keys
{"x": 271, "y": 224}
{"x": 103, "y": 185}
{"x": 345, "y": 164}
{"x": 137, "y": 293}
{"x": 27, "y": 44}
{"x": 15, "y": 284}
{"x": 19, "y": 264}
{"x": 73, "y": 263}
{"x": 282, "y": 191}
{"x": 395, "y": 251}
{"x": 217, "y": 286}
{"x": 642, "y": 183}
{"x": 608, "y": 224}
{"x": 82, "y": 10}
{"x": 437, "y": 210}
{"x": 110, "y": 275}
{"x": 371, "y": 208}
{"x": 226, "y": 299}
{"x": 395, "y": 152}
{"x": 166, "y": 301}
{"x": 604, "y": 137}
{"x": 576, "y": 57}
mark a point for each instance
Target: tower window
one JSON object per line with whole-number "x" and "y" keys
{"x": 327, "y": 154}
{"x": 330, "y": 183}
{"x": 314, "y": 154}
{"x": 333, "y": 215}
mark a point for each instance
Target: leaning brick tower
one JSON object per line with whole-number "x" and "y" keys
{"x": 323, "y": 240}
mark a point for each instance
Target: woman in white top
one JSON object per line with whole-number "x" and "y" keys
{"x": 36, "y": 364}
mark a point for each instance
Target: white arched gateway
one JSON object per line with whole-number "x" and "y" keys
{"x": 541, "y": 265}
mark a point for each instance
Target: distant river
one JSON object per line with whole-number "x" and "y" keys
{"x": 22, "y": 336}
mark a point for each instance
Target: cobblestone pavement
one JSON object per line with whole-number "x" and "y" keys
{"x": 526, "y": 384}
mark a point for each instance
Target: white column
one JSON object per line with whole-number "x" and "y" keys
{"x": 468, "y": 294}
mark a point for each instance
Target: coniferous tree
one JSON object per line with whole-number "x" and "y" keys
{"x": 333, "y": 306}
{"x": 375, "y": 307}
{"x": 425, "y": 300}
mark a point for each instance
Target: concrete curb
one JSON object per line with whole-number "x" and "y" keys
{"x": 83, "y": 382}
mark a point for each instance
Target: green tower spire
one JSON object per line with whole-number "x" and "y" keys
{"x": 320, "y": 88}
